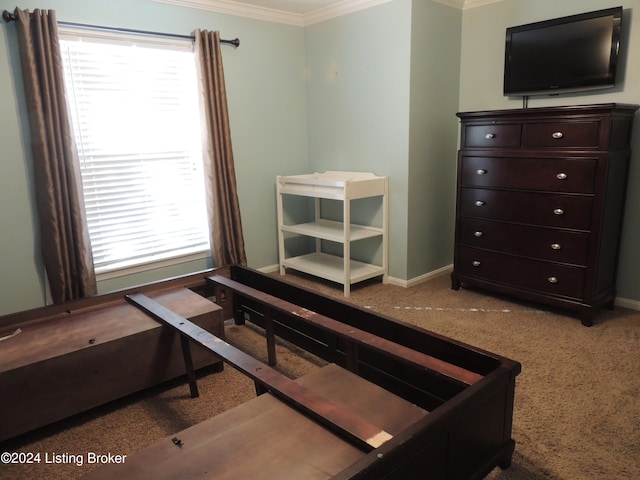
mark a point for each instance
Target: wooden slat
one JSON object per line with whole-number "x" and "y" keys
{"x": 361, "y": 337}
{"x": 364, "y": 434}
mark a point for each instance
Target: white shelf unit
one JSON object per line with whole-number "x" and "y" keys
{"x": 341, "y": 186}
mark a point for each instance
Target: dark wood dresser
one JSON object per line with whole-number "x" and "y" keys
{"x": 540, "y": 197}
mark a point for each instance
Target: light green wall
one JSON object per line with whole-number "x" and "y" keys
{"x": 358, "y": 69}
{"x": 382, "y": 95}
{"x": 267, "y": 103}
{"x": 435, "y": 73}
{"x": 481, "y": 89}
{"x": 375, "y": 90}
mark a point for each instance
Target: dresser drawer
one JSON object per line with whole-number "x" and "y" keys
{"x": 545, "y": 209}
{"x": 492, "y": 135}
{"x": 548, "y": 174}
{"x": 561, "y": 134}
{"x": 536, "y": 275}
{"x": 564, "y": 246}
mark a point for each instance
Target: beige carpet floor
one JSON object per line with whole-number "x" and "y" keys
{"x": 577, "y": 412}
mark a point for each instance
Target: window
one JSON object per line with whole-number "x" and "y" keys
{"x": 135, "y": 113}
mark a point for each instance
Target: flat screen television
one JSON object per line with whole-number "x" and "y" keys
{"x": 567, "y": 54}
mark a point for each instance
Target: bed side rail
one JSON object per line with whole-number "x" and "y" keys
{"x": 351, "y": 426}
{"x": 355, "y": 338}
{"x": 393, "y": 328}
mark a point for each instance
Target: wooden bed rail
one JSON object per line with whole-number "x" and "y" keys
{"x": 353, "y": 337}
{"x": 362, "y": 433}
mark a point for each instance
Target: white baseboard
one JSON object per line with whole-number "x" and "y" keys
{"x": 619, "y": 302}
{"x": 627, "y": 303}
{"x": 422, "y": 278}
{"x": 269, "y": 269}
{"x": 392, "y": 280}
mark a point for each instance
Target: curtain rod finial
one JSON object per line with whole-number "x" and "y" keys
{"x": 7, "y": 16}
{"x": 235, "y": 42}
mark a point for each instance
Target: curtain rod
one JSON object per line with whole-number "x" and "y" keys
{"x": 10, "y": 17}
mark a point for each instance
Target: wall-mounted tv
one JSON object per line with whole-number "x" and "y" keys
{"x": 567, "y": 54}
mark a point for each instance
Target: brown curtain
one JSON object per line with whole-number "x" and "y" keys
{"x": 227, "y": 241}
{"x": 66, "y": 248}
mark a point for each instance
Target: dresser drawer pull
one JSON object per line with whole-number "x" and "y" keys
{"x": 561, "y": 176}
{"x": 553, "y": 279}
{"x": 479, "y": 203}
{"x": 558, "y": 211}
{"x": 475, "y": 263}
{"x": 478, "y": 234}
{"x": 481, "y": 171}
{"x": 489, "y": 136}
{"x": 557, "y": 135}
{"x": 556, "y": 246}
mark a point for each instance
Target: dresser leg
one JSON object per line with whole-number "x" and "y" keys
{"x": 586, "y": 316}
{"x": 455, "y": 283}
{"x": 505, "y": 461}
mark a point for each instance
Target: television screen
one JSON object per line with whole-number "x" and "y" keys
{"x": 566, "y": 54}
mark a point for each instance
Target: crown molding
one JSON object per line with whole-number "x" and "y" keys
{"x": 477, "y": 3}
{"x": 279, "y": 16}
{"x": 453, "y": 3}
{"x": 241, "y": 9}
{"x": 341, "y": 8}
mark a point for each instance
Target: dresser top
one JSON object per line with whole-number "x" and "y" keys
{"x": 570, "y": 110}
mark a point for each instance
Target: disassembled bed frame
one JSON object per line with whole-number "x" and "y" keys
{"x": 467, "y": 392}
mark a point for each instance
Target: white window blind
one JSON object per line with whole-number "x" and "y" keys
{"x": 134, "y": 107}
